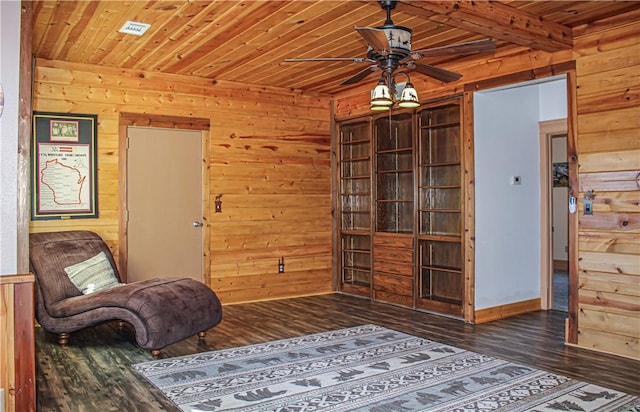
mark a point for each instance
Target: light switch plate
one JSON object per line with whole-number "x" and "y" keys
{"x": 588, "y": 207}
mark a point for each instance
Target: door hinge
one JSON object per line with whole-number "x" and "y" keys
{"x": 126, "y": 216}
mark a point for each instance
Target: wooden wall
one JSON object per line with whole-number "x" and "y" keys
{"x": 608, "y": 124}
{"x": 607, "y": 59}
{"x": 270, "y": 158}
{"x": 17, "y": 343}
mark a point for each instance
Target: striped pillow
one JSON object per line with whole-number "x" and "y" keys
{"x": 93, "y": 274}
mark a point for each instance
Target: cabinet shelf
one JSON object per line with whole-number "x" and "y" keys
{"x": 395, "y": 200}
{"x": 356, "y": 141}
{"x": 356, "y": 159}
{"x": 439, "y": 164}
{"x": 440, "y": 187}
{"x": 454, "y": 270}
{"x": 355, "y": 194}
{"x": 356, "y": 232}
{"x": 441, "y": 238}
{"x": 367, "y": 251}
{"x": 441, "y": 125}
{"x": 395, "y": 171}
{"x": 440, "y": 210}
{"x": 456, "y": 302}
{"x": 396, "y": 151}
{"x": 354, "y": 177}
{"x": 358, "y": 268}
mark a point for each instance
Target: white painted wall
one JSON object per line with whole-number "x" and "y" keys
{"x": 506, "y": 133}
{"x": 553, "y": 99}
{"x": 9, "y": 75}
{"x": 507, "y": 216}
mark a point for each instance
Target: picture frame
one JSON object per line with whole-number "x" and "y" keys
{"x": 560, "y": 173}
{"x": 64, "y": 166}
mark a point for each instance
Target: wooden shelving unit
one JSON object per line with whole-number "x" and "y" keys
{"x": 355, "y": 207}
{"x": 401, "y": 208}
{"x": 440, "y": 280}
{"x": 394, "y": 173}
{"x": 393, "y": 257}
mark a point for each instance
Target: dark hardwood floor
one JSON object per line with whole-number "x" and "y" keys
{"x": 93, "y": 373}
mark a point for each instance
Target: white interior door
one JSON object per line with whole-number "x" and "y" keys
{"x": 164, "y": 203}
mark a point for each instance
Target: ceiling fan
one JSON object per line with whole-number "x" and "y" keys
{"x": 389, "y": 48}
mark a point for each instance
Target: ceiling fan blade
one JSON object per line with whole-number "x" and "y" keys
{"x": 360, "y": 75}
{"x": 432, "y": 71}
{"x": 376, "y": 38}
{"x": 471, "y": 47}
{"x": 327, "y": 59}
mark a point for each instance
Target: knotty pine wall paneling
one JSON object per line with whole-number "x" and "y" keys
{"x": 607, "y": 59}
{"x": 269, "y": 158}
{"x": 608, "y": 72}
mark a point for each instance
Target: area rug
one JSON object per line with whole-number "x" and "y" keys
{"x": 368, "y": 368}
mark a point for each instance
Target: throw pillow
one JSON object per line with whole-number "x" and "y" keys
{"x": 93, "y": 274}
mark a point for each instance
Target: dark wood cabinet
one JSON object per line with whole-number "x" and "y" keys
{"x": 355, "y": 207}
{"x": 440, "y": 280}
{"x": 408, "y": 248}
{"x": 394, "y": 173}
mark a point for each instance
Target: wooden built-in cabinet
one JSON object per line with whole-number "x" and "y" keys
{"x": 355, "y": 207}
{"x": 408, "y": 249}
{"x": 440, "y": 277}
{"x": 393, "y": 257}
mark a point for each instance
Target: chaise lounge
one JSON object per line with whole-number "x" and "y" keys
{"x": 161, "y": 311}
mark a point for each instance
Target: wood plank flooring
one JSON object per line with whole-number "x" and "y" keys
{"x": 93, "y": 373}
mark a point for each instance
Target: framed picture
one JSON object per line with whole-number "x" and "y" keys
{"x": 561, "y": 174}
{"x": 64, "y": 166}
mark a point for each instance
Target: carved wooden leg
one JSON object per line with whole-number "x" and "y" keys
{"x": 155, "y": 353}
{"x": 63, "y": 338}
{"x": 201, "y": 335}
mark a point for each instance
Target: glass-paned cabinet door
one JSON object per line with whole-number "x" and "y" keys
{"x": 440, "y": 171}
{"x": 440, "y": 282}
{"x": 394, "y": 173}
{"x": 355, "y": 176}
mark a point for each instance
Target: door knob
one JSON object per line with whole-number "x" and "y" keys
{"x": 197, "y": 224}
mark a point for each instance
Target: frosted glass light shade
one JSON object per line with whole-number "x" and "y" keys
{"x": 381, "y": 96}
{"x": 409, "y": 97}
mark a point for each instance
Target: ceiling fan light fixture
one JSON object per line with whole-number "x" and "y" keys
{"x": 379, "y": 108}
{"x": 381, "y": 96}
{"x": 409, "y": 96}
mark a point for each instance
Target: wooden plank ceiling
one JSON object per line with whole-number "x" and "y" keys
{"x": 246, "y": 41}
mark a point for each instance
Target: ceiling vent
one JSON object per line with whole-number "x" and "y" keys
{"x": 135, "y": 28}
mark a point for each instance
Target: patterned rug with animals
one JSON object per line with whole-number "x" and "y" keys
{"x": 368, "y": 368}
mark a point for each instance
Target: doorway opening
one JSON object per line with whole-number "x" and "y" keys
{"x": 554, "y": 188}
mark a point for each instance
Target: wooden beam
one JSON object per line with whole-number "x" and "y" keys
{"x": 24, "y": 388}
{"x": 495, "y": 20}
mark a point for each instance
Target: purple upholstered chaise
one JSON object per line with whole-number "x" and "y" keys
{"x": 161, "y": 311}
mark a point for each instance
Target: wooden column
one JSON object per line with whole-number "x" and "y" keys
{"x": 17, "y": 342}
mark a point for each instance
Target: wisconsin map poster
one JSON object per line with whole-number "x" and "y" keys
{"x": 64, "y": 166}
